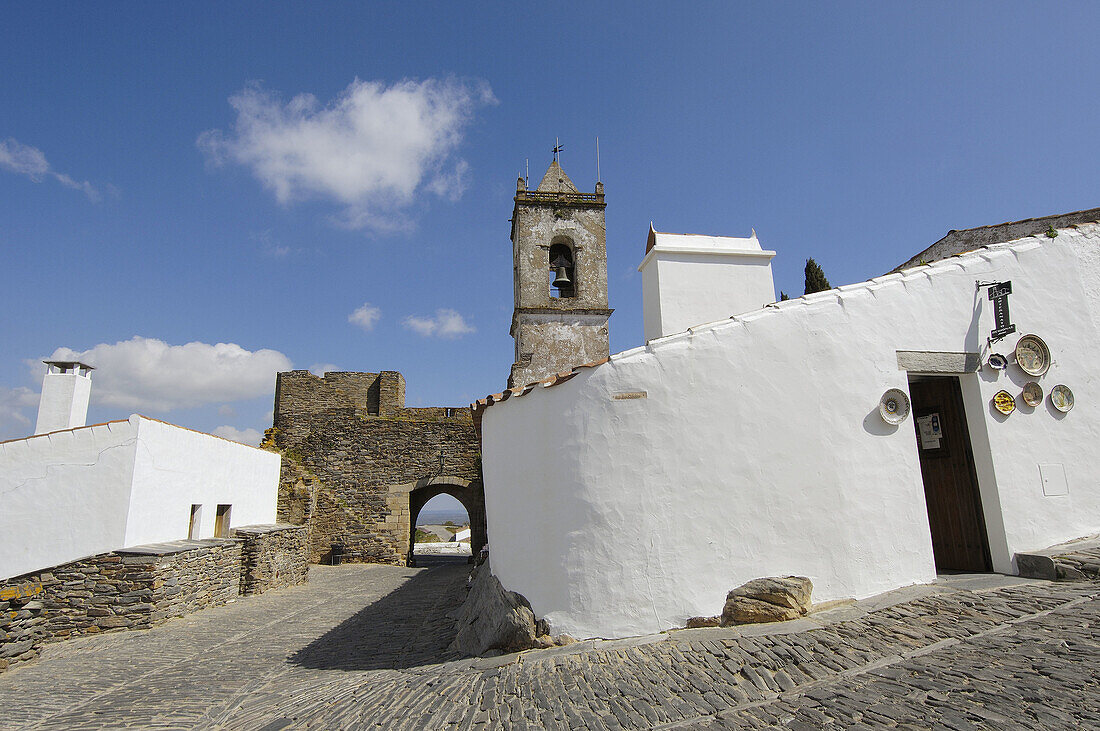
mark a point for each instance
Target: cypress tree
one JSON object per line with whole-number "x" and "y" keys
{"x": 815, "y": 278}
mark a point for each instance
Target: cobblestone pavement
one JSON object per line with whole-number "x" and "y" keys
{"x": 364, "y": 646}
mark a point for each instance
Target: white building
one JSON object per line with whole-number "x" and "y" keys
{"x": 753, "y": 445}
{"x": 688, "y": 279}
{"x": 76, "y": 490}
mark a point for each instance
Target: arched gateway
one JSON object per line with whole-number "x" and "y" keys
{"x": 468, "y": 492}
{"x": 358, "y": 465}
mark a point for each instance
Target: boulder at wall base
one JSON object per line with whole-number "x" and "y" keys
{"x": 493, "y": 618}
{"x": 772, "y": 599}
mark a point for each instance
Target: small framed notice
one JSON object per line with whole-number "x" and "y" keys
{"x": 928, "y": 429}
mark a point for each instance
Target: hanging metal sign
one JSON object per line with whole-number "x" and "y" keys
{"x": 998, "y": 294}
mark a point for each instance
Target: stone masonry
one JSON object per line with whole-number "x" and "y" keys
{"x": 358, "y": 464}
{"x": 127, "y": 589}
{"x": 272, "y": 556}
{"x": 554, "y": 333}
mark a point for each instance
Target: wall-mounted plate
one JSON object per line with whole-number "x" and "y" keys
{"x": 1032, "y": 355}
{"x": 1003, "y": 402}
{"x": 893, "y": 407}
{"x": 1062, "y": 398}
{"x": 997, "y": 362}
{"x": 1032, "y": 394}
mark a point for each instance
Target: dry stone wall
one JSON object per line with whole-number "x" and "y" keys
{"x": 142, "y": 586}
{"x": 121, "y": 590}
{"x": 357, "y": 468}
{"x": 272, "y": 556}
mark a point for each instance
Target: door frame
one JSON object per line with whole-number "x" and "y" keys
{"x": 966, "y": 366}
{"x": 952, "y": 386}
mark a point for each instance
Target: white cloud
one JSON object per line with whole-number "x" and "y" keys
{"x": 250, "y": 437}
{"x": 14, "y": 422}
{"x": 227, "y": 411}
{"x": 270, "y": 246}
{"x": 370, "y": 149}
{"x": 365, "y": 316}
{"x": 320, "y": 369}
{"x": 445, "y": 323}
{"x": 23, "y": 159}
{"x": 30, "y": 161}
{"x": 149, "y": 374}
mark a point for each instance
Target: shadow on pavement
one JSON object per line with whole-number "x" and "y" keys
{"x": 407, "y": 628}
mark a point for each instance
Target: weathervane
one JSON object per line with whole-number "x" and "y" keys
{"x": 558, "y": 147}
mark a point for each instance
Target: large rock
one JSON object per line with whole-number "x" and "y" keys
{"x": 493, "y": 618}
{"x": 772, "y": 599}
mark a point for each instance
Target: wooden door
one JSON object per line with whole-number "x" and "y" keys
{"x": 950, "y": 482}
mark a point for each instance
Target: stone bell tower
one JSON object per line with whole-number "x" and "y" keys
{"x": 559, "y": 255}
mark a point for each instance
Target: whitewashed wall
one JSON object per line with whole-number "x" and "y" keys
{"x": 76, "y": 493}
{"x": 689, "y": 279}
{"x": 64, "y": 495}
{"x": 64, "y": 401}
{"x": 177, "y": 467}
{"x": 758, "y": 450}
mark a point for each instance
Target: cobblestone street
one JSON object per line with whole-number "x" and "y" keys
{"x": 365, "y": 646}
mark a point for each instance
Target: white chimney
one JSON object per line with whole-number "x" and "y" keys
{"x": 690, "y": 280}
{"x": 65, "y": 391}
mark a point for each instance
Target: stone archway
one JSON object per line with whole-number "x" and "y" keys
{"x": 468, "y": 492}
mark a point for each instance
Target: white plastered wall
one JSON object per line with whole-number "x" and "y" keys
{"x": 64, "y": 401}
{"x": 64, "y": 495}
{"x": 758, "y": 450}
{"x": 176, "y": 468}
{"x": 689, "y": 279}
{"x": 76, "y": 493}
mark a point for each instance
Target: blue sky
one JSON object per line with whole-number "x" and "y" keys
{"x": 199, "y": 195}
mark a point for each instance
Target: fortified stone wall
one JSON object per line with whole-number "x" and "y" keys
{"x": 357, "y": 468}
{"x": 272, "y": 556}
{"x": 126, "y": 589}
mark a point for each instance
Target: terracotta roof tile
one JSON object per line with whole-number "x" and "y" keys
{"x": 480, "y": 405}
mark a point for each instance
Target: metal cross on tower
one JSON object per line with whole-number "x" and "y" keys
{"x": 558, "y": 147}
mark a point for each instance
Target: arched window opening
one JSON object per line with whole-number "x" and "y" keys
{"x": 562, "y": 274}
{"x": 442, "y": 530}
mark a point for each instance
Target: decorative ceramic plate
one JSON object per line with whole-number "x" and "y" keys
{"x": 997, "y": 362}
{"x": 1062, "y": 398}
{"x": 1032, "y": 355}
{"x": 893, "y": 407}
{"x": 1033, "y": 394}
{"x": 1003, "y": 402}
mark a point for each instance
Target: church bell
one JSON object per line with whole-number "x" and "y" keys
{"x": 561, "y": 278}
{"x": 561, "y": 272}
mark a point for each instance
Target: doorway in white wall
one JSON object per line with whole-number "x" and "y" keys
{"x": 196, "y": 521}
{"x": 221, "y": 521}
{"x": 951, "y": 494}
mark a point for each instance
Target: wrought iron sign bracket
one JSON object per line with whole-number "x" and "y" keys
{"x": 1002, "y": 322}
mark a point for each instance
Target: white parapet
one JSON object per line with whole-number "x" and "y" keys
{"x": 689, "y": 280}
